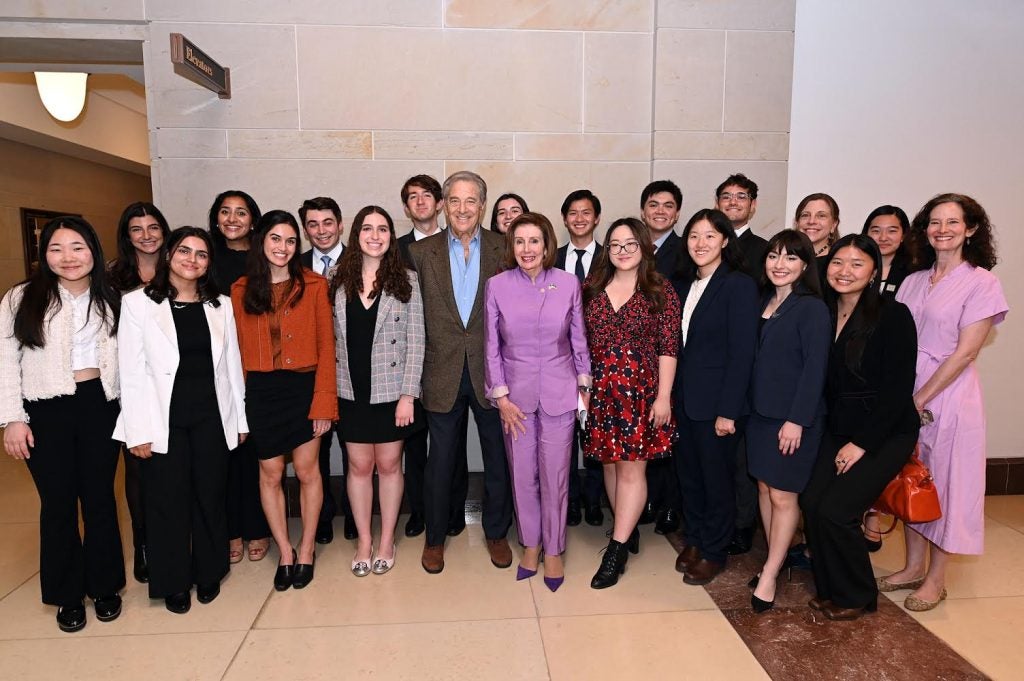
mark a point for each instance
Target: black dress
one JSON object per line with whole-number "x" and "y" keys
{"x": 359, "y": 420}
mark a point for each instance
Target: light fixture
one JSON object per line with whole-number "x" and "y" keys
{"x": 63, "y": 94}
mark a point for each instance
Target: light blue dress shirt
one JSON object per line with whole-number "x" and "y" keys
{"x": 465, "y": 275}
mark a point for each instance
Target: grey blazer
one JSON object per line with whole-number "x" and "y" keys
{"x": 396, "y": 357}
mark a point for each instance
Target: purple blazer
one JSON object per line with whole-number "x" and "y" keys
{"x": 535, "y": 343}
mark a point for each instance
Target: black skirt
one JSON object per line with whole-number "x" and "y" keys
{"x": 277, "y": 407}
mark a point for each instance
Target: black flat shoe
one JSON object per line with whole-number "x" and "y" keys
{"x": 179, "y": 604}
{"x": 456, "y": 527}
{"x": 140, "y": 566}
{"x": 594, "y": 515}
{"x": 760, "y": 606}
{"x": 633, "y": 543}
{"x": 350, "y": 528}
{"x": 71, "y": 618}
{"x": 303, "y": 574}
{"x": 325, "y": 532}
{"x": 414, "y": 526}
{"x": 574, "y": 516}
{"x": 648, "y": 515}
{"x": 205, "y": 593}
{"x": 285, "y": 574}
{"x": 796, "y": 558}
{"x": 668, "y": 522}
{"x": 107, "y": 608}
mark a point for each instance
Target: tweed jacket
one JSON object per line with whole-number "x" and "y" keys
{"x": 450, "y": 345}
{"x": 41, "y": 373}
{"x": 396, "y": 356}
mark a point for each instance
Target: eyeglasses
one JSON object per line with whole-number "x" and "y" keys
{"x": 741, "y": 196}
{"x": 629, "y": 248}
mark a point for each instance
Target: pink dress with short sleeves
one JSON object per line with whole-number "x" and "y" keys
{"x": 953, "y": 447}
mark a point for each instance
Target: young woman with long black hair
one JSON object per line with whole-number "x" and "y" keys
{"x": 58, "y": 405}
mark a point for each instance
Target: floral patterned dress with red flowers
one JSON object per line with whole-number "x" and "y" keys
{"x": 624, "y": 350}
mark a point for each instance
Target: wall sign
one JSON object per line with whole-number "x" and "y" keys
{"x": 192, "y": 63}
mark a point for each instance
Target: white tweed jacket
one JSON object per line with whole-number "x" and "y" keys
{"x": 41, "y": 373}
{"x": 396, "y": 356}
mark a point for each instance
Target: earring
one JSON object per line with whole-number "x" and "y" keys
{"x": 968, "y": 241}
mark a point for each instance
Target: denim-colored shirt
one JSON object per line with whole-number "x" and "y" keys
{"x": 465, "y": 274}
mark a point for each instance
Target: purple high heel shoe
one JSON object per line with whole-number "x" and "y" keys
{"x": 553, "y": 583}
{"x": 522, "y": 573}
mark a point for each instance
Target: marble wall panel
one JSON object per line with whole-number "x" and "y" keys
{"x": 570, "y": 15}
{"x": 756, "y": 146}
{"x": 263, "y": 83}
{"x": 698, "y": 180}
{"x": 439, "y": 80}
{"x": 188, "y": 143}
{"x": 618, "y": 69}
{"x": 317, "y": 12}
{"x": 758, "y": 80}
{"x": 108, "y": 10}
{"x": 777, "y": 15}
{"x": 401, "y": 144}
{"x": 586, "y": 147}
{"x": 300, "y": 144}
{"x": 689, "y": 80}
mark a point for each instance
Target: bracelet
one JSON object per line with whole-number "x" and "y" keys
{"x": 585, "y": 389}
{"x": 927, "y": 418}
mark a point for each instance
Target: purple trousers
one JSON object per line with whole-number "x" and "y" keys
{"x": 538, "y": 462}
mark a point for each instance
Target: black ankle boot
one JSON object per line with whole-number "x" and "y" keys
{"x": 633, "y": 543}
{"x": 612, "y": 565}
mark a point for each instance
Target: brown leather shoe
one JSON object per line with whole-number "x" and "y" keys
{"x": 834, "y": 612}
{"x": 819, "y": 604}
{"x": 433, "y": 558}
{"x": 501, "y": 552}
{"x": 702, "y": 572}
{"x": 686, "y": 558}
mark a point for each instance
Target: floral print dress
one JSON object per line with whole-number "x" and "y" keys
{"x": 624, "y": 350}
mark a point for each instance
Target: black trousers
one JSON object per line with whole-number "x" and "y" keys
{"x": 186, "y": 511}
{"x": 444, "y": 440}
{"x": 330, "y": 506}
{"x": 586, "y": 483}
{"x": 705, "y": 466}
{"x": 73, "y": 461}
{"x": 415, "y": 467}
{"x": 746, "y": 489}
{"x": 662, "y": 485}
{"x": 133, "y": 495}
{"x": 833, "y": 506}
{"x": 245, "y": 512}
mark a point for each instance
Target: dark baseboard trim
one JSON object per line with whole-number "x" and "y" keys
{"x": 1005, "y": 476}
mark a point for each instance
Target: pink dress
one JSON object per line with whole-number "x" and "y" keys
{"x": 953, "y": 447}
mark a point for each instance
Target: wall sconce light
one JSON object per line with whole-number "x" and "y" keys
{"x": 63, "y": 94}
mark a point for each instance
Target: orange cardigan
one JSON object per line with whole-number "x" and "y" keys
{"x": 307, "y": 340}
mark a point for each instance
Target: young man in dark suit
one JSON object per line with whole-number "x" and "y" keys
{"x": 421, "y": 200}
{"x": 321, "y": 221}
{"x": 659, "y": 205}
{"x": 581, "y": 213}
{"x": 737, "y": 198}
{"x": 453, "y": 267}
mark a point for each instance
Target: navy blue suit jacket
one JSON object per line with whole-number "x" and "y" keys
{"x": 713, "y": 370}
{"x": 788, "y": 381}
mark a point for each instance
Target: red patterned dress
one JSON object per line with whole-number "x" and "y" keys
{"x": 624, "y": 351}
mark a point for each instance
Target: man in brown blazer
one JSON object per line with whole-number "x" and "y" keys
{"x": 453, "y": 266}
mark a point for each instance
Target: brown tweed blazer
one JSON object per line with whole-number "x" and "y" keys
{"x": 449, "y": 343}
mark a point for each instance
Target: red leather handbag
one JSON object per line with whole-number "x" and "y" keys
{"x": 911, "y": 496}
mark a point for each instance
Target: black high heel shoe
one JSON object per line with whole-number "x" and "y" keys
{"x": 752, "y": 584}
{"x": 760, "y": 606}
{"x": 612, "y": 565}
{"x": 633, "y": 543}
{"x": 285, "y": 574}
{"x": 303, "y": 574}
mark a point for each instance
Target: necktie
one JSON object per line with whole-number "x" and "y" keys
{"x": 326, "y": 260}
{"x": 580, "y": 274}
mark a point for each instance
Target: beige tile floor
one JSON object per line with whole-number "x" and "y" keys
{"x": 470, "y": 622}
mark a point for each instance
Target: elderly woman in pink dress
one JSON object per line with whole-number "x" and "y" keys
{"x": 955, "y": 303}
{"x": 537, "y": 371}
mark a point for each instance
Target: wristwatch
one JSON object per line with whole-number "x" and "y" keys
{"x": 927, "y": 417}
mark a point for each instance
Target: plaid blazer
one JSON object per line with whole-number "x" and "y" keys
{"x": 396, "y": 357}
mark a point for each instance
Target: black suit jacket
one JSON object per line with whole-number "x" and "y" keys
{"x": 877, "y": 402}
{"x": 752, "y": 246}
{"x": 713, "y": 371}
{"x": 404, "y": 242}
{"x": 563, "y": 252}
{"x": 666, "y": 258}
{"x": 788, "y": 380}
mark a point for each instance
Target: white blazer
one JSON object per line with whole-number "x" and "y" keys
{"x": 147, "y": 350}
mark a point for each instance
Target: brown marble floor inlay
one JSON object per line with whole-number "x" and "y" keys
{"x": 791, "y": 641}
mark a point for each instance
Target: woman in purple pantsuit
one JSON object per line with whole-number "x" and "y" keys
{"x": 955, "y": 303}
{"x": 537, "y": 370}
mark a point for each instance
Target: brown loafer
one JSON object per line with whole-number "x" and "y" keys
{"x": 834, "y": 612}
{"x": 702, "y": 572}
{"x": 433, "y": 558}
{"x": 501, "y": 552}
{"x": 686, "y": 558}
{"x": 819, "y": 604}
